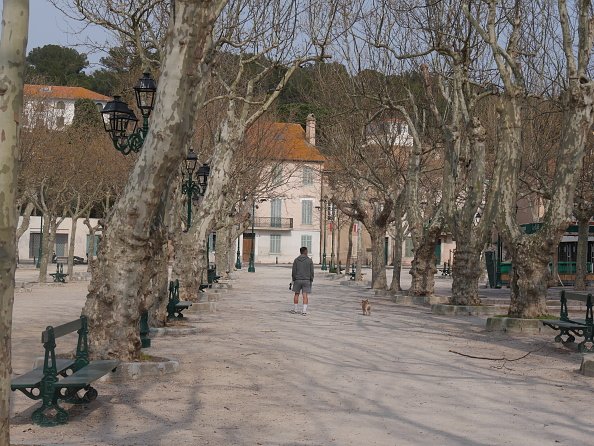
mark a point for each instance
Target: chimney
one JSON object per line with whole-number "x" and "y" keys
{"x": 310, "y": 129}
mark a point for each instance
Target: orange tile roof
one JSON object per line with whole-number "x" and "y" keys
{"x": 284, "y": 141}
{"x": 59, "y": 92}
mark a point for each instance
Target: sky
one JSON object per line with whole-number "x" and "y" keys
{"x": 48, "y": 25}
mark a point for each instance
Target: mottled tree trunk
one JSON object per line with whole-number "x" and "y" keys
{"x": 582, "y": 254}
{"x": 231, "y": 252}
{"x": 156, "y": 290}
{"x": 46, "y": 249}
{"x": 23, "y": 226}
{"x": 189, "y": 266}
{"x": 423, "y": 268}
{"x": 338, "y": 227}
{"x": 229, "y": 138}
{"x": 349, "y": 258}
{"x": 398, "y": 240}
{"x": 378, "y": 261}
{"x": 466, "y": 273}
{"x": 222, "y": 252}
{"x": 91, "y": 247}
{"x": 359, "y": 264}
{"x": 114, "y": 301}
{"x": 71, "y": 246}
{"x": 530, "y": 273}
{"x": 13, "y": 43}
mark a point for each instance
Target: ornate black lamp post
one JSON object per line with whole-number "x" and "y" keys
{"x": 121, "y": 122}
{"x": 194, "y": 189}
{"x": 252, "y": 266}
{"x": 325, "y": 223}
{"x": 331, "y": 212}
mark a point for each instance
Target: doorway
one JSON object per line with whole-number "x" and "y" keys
{"x": 248, "y": 243}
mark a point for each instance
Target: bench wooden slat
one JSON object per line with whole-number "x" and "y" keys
{"x": 565, "y": 324}
{"x": 62, "y": 330}
{"x": 89, "y": 373}
{"x": 573, "y": 295}
{"x": 33, "y": 378}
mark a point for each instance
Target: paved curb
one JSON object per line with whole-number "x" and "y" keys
{"x": 360, "y": 284}
{"x": 516, "y": 325}
{"x": 202, "y": 307}
{"x": 156, "y": 332}
{"x": 416, "y": 300}
{"x": 587, "y": 367}
{"x": 467, "y": 310}
{"x": 127, "y": 371}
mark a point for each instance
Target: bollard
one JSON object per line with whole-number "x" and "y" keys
{"x": 145, "y": 341}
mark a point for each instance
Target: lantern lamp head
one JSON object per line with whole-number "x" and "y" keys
{"x": 145, "y": 90}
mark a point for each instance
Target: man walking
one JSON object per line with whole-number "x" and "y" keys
{"x": 302, "y": 275}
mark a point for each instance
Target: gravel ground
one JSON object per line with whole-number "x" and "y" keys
{"x": 256, "y": 374}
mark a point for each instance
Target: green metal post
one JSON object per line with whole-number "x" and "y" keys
{"x": 238, "y": 261}
{"x": 208, "y": 251}
{"x": 252, "y": 266}
{"x": 38, "y": 265}
{"x": 190, "y": 188}
{"x": 499, "y": 255}
{"x": 332, "y": 266}
{"x": 145, "y": 341}
{"x": 325, "y": 220}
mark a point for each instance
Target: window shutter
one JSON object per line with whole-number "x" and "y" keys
{"x": 306, "y": 212}
{"x": 306, "y": 241}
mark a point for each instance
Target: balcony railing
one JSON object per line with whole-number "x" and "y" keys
{"x": 273, "y": 223}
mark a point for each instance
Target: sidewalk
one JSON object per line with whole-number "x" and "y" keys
{"x": 257, "y": 375}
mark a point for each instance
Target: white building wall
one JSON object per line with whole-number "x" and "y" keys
{"x": 46, "y": 112}
{"x": 80, "y": 247}
{"x": 292, "y": 192}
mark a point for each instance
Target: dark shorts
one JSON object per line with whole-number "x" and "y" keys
{"x": 302, "y": 285}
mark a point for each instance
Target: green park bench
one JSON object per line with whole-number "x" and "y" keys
{"x": 62, "y": 379}
{"x": 574, "y": 327}
{"x": 59, "y": 275}
{"x": 353, "y": 272}
{"x": 446, "y": 270}
{"x": 176, "y": 306}
{"x": 211, "y": 275}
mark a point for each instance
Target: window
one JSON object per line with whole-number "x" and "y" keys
{"x": 307, "y": 175}
{"x": 60, "y": 105}
{"x": 212, "y": 241}
{"x": 306, "y": 212}
{"x": 99, "y": 107}
{"x": 60, "y": 121}
{"x": 277, "y": 174}
{"x": 275, "y": 212}
{"x": 306, "y": 241}
{"x": 408, "y": 247}
{"x": 94, "y": 253}
{"x": 34, "y": 239}
{"x": 61, "y": 247}
{"x": 275, "y": 244}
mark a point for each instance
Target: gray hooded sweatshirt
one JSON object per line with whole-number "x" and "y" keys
{"x": 303, "y": 268}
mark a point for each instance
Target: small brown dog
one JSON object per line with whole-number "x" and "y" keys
{"x": 366, "y": 307}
